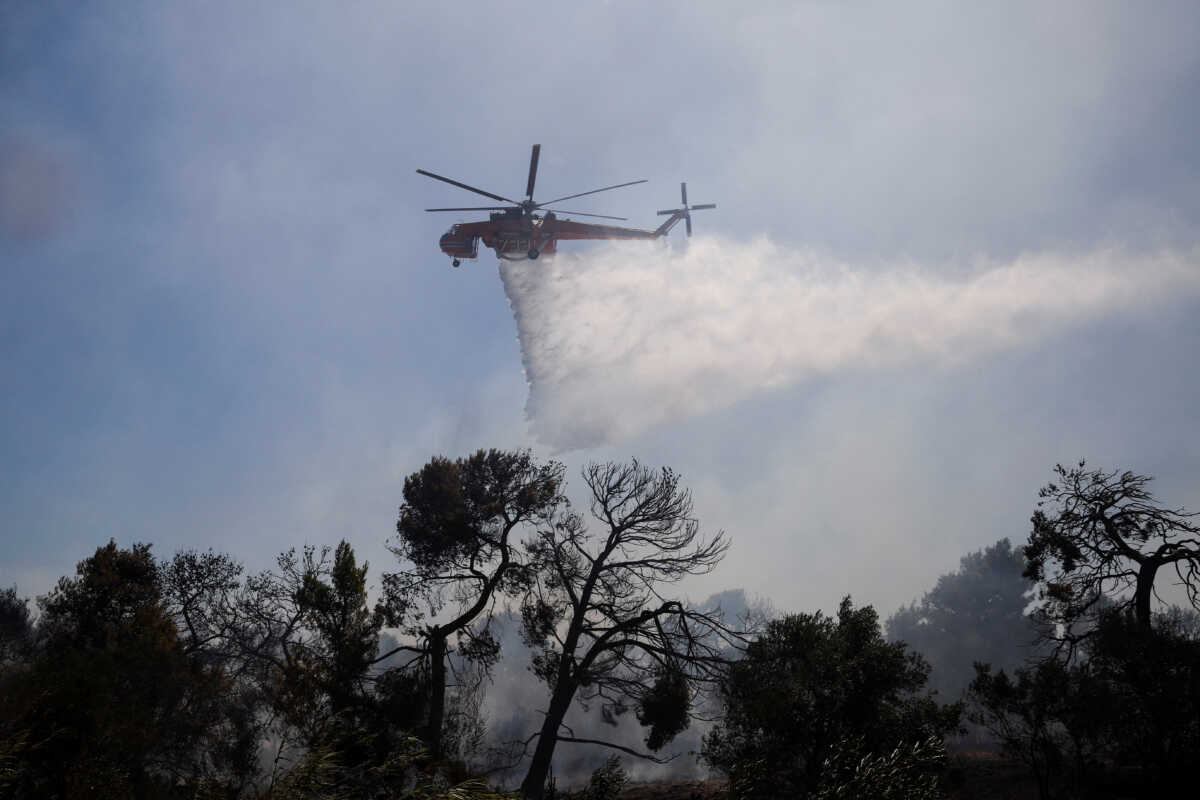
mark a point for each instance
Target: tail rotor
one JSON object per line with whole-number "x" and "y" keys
{"x": 685, "y": 210}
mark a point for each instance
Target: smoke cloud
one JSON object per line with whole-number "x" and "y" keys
{"x": 630, "y": 335}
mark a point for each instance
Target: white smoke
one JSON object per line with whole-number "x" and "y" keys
{"x": 625, "y": 337}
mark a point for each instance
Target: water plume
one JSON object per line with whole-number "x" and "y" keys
{"x": 630, "y": 335}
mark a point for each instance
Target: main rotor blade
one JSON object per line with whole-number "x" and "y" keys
{"x": 593, "y": 191}
{"x": 688, "y": 220}
{"x": 582, "y": 214}
{"x": 437, "y": 177}
{"x": 683, "y": 194}
{"x": 704, "y": 205}
{"x": 473, "y": 208}
{"x": 533, "y": 162}
{"x": 670, "y": 211}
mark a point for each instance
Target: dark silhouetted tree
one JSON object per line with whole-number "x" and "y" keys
{"x": 346, "y": 638}
{"x": 974, "y": 614}
{"x": 1129, "y": 698}
{"x": 811, "y": 684}
{"x": 202, "y": 594}
{"x": 111, "y": 704}
{"x": 1101, "y": 537}
{"x": 305, "y": 640}
{"x": 1123, "y": 689}
{"x": 598, "y": 621}
{"x": 16, "y": 628}
{"x": 458, "y": 529}
{"x": 1040, "y": 717}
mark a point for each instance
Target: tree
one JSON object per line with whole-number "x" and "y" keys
{"x": 458, "y": 529}
{"x": 199, "y": 593}
{"x": 1045, "y": 716}
{"x": 202, "y": 593}
{"x": 1132, "y": 701}
{"x": 346, "y": 638}
{"x": 305, "y": 639}
{"x": 110, "y": 703}
{"x": 812, "y": 681}
{"x": 1101, "y": 537}
{"x": 974, "y": 614}
{"x": 16, "y": 629}
{"x": 597, "y": 617}
{"x": 1121, "y": 690}
{"x": 1150, "y": 707}
{"x": 16, "y": 650}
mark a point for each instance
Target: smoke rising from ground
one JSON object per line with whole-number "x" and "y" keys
{"x": 625, "y": 337}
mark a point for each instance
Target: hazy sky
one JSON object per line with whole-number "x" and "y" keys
{"x": 954, "y": 244}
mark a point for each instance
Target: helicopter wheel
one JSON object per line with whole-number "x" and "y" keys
{"x": 455, "y": 262}
{"x": 533, "y": 253}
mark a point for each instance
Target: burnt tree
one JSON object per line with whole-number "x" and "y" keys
{"x": 1100, "y": 538}
{"x": 605, "y": 632}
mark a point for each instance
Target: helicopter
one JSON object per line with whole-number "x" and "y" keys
{"x": 516, "y": 231}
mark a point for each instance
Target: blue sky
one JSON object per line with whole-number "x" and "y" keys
{"x": 227, "y": 324}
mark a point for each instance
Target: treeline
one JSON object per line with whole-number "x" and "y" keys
{"x": 187, "y": 677}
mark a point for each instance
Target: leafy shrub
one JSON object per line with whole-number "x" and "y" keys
{"x": 908, "y": 772}
{"x": 810, "y": 682}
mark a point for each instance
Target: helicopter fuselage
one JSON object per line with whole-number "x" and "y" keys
{"x": 517, "y": 237}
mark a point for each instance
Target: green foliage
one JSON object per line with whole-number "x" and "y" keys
{"x": 347, "y": 633}
{"x": 454, "y": 508}
{"x": 1043, "y": 716}
{"x": 809, "y": 682}
{"x": 1131, "y": 704}
{"x": 909, "y": 772}
{"x": 438, "y": 521}
{"x": 665, "y": 708}
{"x": 400, "y": 771}
{"x": 16, "y": 629}
{"x": 607, "y": 781}
{"x": 109, "y": 703}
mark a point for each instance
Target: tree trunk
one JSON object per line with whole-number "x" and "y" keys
{"x": 437, "y": 690}
{"x": 535, "y": 779}
{"x": 1144, "y": 592}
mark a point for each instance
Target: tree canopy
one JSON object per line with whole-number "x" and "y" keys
{"x": 810, "y": 684}
{"x": 110, "y": 702}
{"x": 1100, "y": 537}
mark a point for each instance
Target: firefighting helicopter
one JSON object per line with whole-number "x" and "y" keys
{"x": 516, "y": 232}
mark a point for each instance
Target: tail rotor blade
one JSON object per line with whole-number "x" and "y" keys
{"x": 685, "y": 210}
{"x": 533, "y": 164}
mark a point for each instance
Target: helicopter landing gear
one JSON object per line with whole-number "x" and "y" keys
{"x": 533, "y": 253}
{"x": 455, "y": 263}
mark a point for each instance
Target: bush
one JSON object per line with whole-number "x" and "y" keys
{"x": 811, "y": 682}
